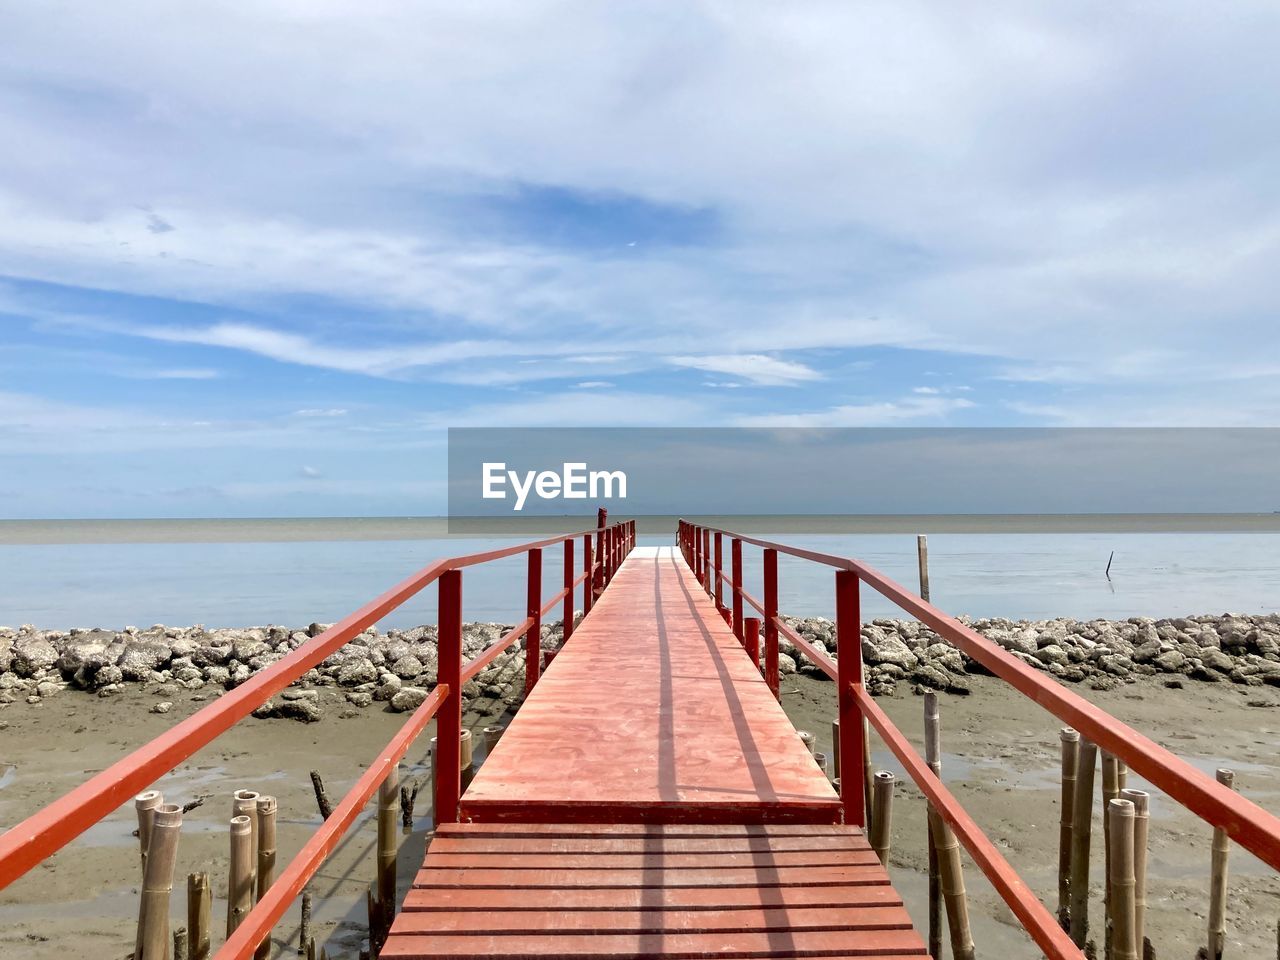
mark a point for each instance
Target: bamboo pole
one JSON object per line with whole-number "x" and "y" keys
{"x": 322, "y": 796}
{"x": 1110, "y": 791}
{"x": 266, "y": 809}
{"x": 947, "y": 847}
{"x": 933, "y": 756}
{"x": 1081, "y": 827}
{"x": 180, "y": 944}
{"x": 1123, "y": 943}
{"x": 145, "y": 804}
{"x": 821, "y": 760}
{"x": 491, "y": 737}
{"x": 808, "y": 739}
{"x": 922, "y": 557}
{"x": 388, "y": 848}
{"x": 1218, "y": 881}
{"x": 1141, "y": 823}
{"x": 244, "y": 803}
{"x": 199, "y": 912}
{"x": 154, "y": 940}
{"x": 240, "y": 874}
{"x": 304, "y": 924}
{"x": 882, "y": 825}
{"x": 1070, "y": 741}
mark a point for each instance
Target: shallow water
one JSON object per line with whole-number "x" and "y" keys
{"x": 1017, "y": 575}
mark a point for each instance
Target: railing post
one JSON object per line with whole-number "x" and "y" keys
{"x": 598, "y": 579}
{"x": 696, "y": 550}
{"x": 849, "y": 672}
{"x": 719, "y": 583}
{"x": 533, "y": 639}
{"x": 770, "y": 621}
{"x": 568, "y": 590}
{"x": 590, "y": 574}
{"x": 706, "y": 561}
{"x": 735, "y": 560}
{"x": 751, "y": 640}
{"x": 449, "y": 717}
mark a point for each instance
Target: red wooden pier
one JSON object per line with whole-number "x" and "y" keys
{"x": 650, "y": 798}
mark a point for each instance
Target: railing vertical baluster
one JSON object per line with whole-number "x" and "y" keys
{"x": 533, "y": 610}
{"x": 771, "y": 621}
{"x": 719, "y": 583}
{"x": 735, "y": 560}
{"x": 706, "y": 560}
{"x": 696, "y": 532}
{"x": 751, "y": 639}
{"x": 590, "y": 574}
{"x": 597, "y": 578}
{"x": 849, "y": 667}
{"x": 567, "y": 630}
{"x": 449, "y": 718}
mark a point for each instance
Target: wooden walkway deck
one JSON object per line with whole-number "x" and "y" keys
{"x": 651, "y": 799}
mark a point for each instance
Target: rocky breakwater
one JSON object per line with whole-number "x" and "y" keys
{"x": 396, "y": 669}
{"x": 1230, "y": 648}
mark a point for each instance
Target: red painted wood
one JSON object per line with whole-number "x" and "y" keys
{"x": 665, "y": 830}
{"x": 605, "y": 922}
{"x": 653, "y": 859}
{"x": 485, "y": 845}
{"x": 709, "y": 877}
{"x": 634, "y": 898}
{"x": 822, "y": 943}
{"x": 652, "y": 714}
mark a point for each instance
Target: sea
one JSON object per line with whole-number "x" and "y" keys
{"x": 241, "y": 572}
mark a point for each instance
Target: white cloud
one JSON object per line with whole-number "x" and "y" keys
{"x": 880, "y": 414}
{"x": 756, "y": 367}
{"x": 182, "y": 373}
{"x": 321, "y": 412}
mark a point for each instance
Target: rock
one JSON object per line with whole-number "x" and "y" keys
{"x": 1216, "y": 660}
{"x": 33, "y": 654}
{"x": 878, "y": 648}
{"x": 407, "y": 667}
{"x": 108, "y": 676}
{"x": 786, "y": 665}
{"x": 295, "y": 694}
{"x": 48, "y": 688}
{"x": 217, "y": 674}
{"x": 1171, "y": 661}
{"x": 1052, "y": 653}
{"x": 360, "y": 699}
{"x": 408, "y": 698}
{"x": 356, "y": 671}
{"x": 388, "y": 688}
{"x": 306, "y": 710}
{"x": 142, "y": 657}
{"x": 164, "y": 706}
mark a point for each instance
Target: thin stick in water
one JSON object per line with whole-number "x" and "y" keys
{"x": 322, "y": 796}
{"x": 304, "y": 924}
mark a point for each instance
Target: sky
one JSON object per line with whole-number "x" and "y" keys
{"x": 255, "y": 258}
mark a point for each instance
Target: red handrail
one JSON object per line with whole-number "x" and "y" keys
{"x": 38, "y": 837}
{"x": 1252, "y": 827}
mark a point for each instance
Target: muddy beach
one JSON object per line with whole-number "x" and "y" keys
{"x": 1000, "y": 760}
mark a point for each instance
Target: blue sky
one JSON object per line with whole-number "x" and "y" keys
{"x": 256, "y": 257}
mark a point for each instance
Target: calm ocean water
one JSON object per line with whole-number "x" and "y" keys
{"x": 267, "y": 575}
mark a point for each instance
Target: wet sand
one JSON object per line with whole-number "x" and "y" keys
{"x": 1001, "y": 761}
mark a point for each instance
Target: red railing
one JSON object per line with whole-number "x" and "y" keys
{"x": 44, "y": 833}
{"x": 1244, "y": 821}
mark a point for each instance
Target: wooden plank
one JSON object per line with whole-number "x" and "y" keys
{"x": 608, "y": 922}
{"x": 691, "y": 733}
{"x": 646, "y": 830}
{"x": 822, "y": 943}
{"x": 762, "y": 862}
{"x": 731, "y": 877}
{"x": 501, "y": 846}
{"x": 492, "y": 901}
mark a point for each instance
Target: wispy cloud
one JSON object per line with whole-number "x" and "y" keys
{"x": 755, "y": 367}
{"x": 879, "y": 414}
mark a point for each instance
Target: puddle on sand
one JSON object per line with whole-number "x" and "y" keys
{"x": 10, "y": 774}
